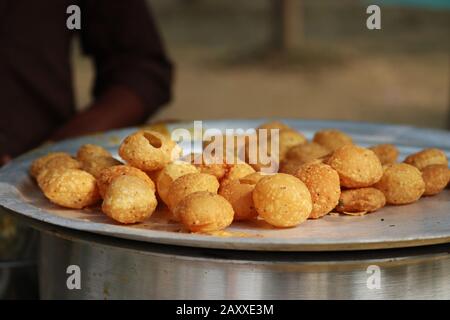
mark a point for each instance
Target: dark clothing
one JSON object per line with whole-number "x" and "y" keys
{"x": 36, "y": 93}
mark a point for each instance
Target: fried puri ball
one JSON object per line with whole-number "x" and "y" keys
{"x": 209, "y": 165}
{"x": 274, "y": 125}
{"x": 427, "y": 157}
{"x": 282, "y": 200}
{"x": 229, "y": 146}
{"x": 289, "y": 138}
{"x": 332, "y": 139}
{"x": 436, "y": 177}
{"x": 240, "y": 196}
{"x": 69, "y": 188}
{"x": 204, "y": 212}
{"x": 236, "y": 171}
{"x": 129, "y": 199}
{"x": 107, "y": 175}
{"x": 53, "y": 160}
{"x": 290, "y": 166}
{"x": 147, "y": 150}
{"x": 357, "y": 167}
{"x": 169, "y": 174}
{"x": 94, "y": 159}
{"x": 252, "y": 178}
{"x": 89, "y": 151}
{"x": 401, "y": 184}
{"x": 360, "y": 201}
{"x": 306, "y": 152}
{"x": 323, "y": 184}
{"x": 187, "y": 184}
{"x": 387, "y": 153}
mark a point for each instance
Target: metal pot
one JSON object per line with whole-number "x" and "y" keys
{"x": 116, "y": 269}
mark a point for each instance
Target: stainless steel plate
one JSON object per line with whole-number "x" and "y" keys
{"x": 422, "y": 223}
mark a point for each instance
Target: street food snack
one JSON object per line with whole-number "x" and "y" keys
{"x": 252, "y": 178}
{"x": 282, "y": 200}
{"x": 94, "y": 159}
{"x": 332, "y": 139}
{"x": 323, "y": 184}
{"x": 427, "y": 157}
{"x": 147, "y": 150}
{"x": 129, "y": 199}
{"x": 290, "y": 166}
{"x": 401, "y": 184}
{"x": 236, "y": 171}
{"x": 187, "y": 184}
{"x": 306, "y": 152}
{"x": 208, "y": 165}
{"x": 360, "y": 201}
{"x": 436, "y": 178}
{"x": 204, "y": 212}
{"x": 69, "y": 188}
{"x": 357, "y": 167}
{"x": 289, "y": 138}
{"x": 107, "y": 175}
{"x": 240, "y": 195}
{"x": 387, "y": 153}
{"x": 274, "y": 125}
{"x": 169, "y": 174}
{"x": 53, "y": 160}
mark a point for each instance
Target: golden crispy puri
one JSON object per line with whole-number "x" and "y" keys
{"x": 94, "y": 159}
{"x": 401, "y": 184}
{"x": 89, "y": 151}
{"x": 290, "y": 166}
{"x": 204, "y": 212}
{"x": 436, "y": 178}
{"x": 387, "y": 153}
{"x": 169, "y": 174}
{"x": 282, "y": 200}
{"x": 323, "y": 184}
{"x": 332, "y": 139}
{"x": 187, "y": 184}
{"x": 360, "y": 201}
{"x": 448, "y": 184}
{"x": 230, "y": 147}
{"x": 427, "y": 157}
{"x": 357, "y": 167}
{"x": 239, "y": 195}
{"x": 307, "y": 152}
{"x": 274, "y": 125}
{"x": 129, "y": 199}
{"x": 107, "y": 175}
{"x": 260, "y": 154}
{"x": 252, "y": 178}
{"x": 69, "y": 188}
{"x": 53, "y": 160}
{"x": 236, "y": 171}
{"x": 96, "y": 165}
{"x": 148, "y": 150}
{"x": 289, "y": 138}
{"x": 268, "y": 147}
{"x": 208, "y": 165}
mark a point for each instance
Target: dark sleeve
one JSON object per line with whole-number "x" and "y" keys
{"x": 123, "y": 39}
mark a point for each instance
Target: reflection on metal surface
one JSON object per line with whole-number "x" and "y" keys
{"x": 114, "y": 271}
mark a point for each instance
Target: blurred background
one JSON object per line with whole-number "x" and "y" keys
{"x": 304, "y": 59}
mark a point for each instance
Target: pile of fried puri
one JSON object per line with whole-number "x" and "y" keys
{"x": 328, "y": 174}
